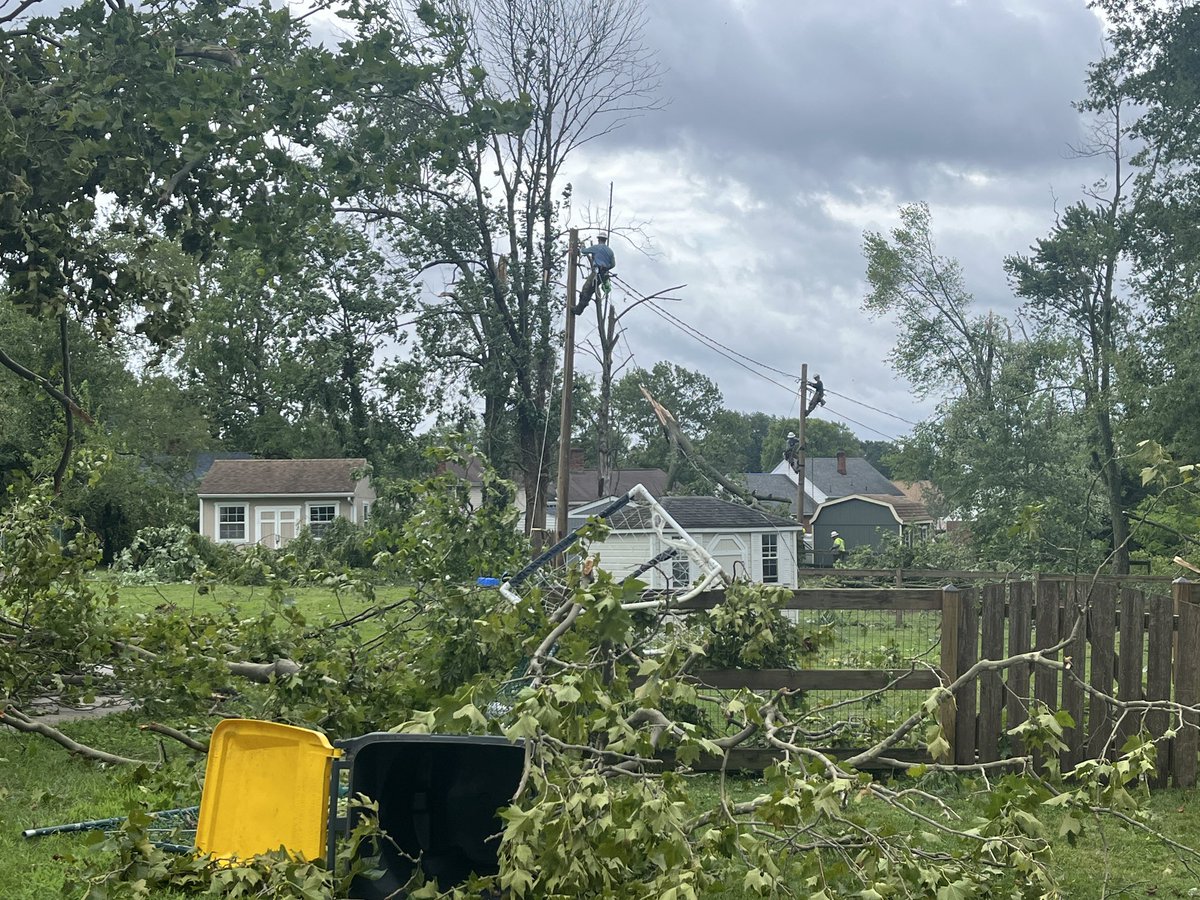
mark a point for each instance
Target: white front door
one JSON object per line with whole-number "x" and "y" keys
{"x": 277, "y": 525}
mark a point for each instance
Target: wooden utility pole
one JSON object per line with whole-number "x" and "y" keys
{"x": 568, "y": 384}
{"x": 800, "y": 448}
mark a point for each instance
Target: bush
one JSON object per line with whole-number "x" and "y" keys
{"x": 941, "y": 552}
{"x": 172, "y": 554}
{"x": 341, "y": 545}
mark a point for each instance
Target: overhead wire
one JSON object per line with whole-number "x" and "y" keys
{"x": 720, "y": 348}
{"x": 882, "y": 412}
{"x": 737, "y": 362}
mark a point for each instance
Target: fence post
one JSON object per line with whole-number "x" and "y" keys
{"x": 1046, "y": 593}
{"x": 966, "y": 700}
{"x": 991, "y": 687}
{"x": 1074, "y": 618}
{"x": 1020, "y": 629}
{"x": 1158, "y": 681}
{"x": 1187, "y": 683}
{"x": 951, "y": 614}
{"x": 1103, "y": 614}
{"x": 1129, "y": 664}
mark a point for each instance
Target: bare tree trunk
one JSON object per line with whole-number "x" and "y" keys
{"x": 604, "y": 444}
{"x": 64, "y": 461}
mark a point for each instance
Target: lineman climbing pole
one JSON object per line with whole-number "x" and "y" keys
{"x": 568, "y": 382}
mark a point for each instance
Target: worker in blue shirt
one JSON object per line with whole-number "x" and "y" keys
{"x": 603, "y": 261}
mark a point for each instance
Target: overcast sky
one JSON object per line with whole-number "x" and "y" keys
{"x": 793, "y": 126}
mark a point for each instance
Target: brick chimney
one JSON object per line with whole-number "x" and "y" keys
{"x": 576, "y": 459}
{"x": 841, "y": 458}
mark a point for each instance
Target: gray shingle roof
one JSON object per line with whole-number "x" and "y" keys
{"x": 232, "y": 477}
{"x": 584, "y": 484}
{"x": 909, "y": 511}
{"x": 766, "y": 484}
{"x": 861, "y": 477}
{"x": 702, "y": 513}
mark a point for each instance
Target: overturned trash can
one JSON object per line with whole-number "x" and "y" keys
{"x": 269, "y": 785}
{"x": 439, "y": 798}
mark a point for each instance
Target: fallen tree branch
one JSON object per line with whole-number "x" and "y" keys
{"x": 259, "y": 673}
{"x": 262, "y": 673}
{"x": 14, "y": 718}
{"x": 185, "y": 739}
{"x": 675, "y": 433}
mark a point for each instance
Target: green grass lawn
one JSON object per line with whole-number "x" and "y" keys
{"x": 42, "y": 785}
{"x": 314, "y": 602}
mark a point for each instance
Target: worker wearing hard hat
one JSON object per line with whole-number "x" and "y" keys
{"x": 839, "y": 547}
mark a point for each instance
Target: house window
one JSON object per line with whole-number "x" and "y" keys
{"x": 319, "y": 518}
{"x": 681, "y": 572}
{"x": 770, "y": 559}
{"x": 231, "y": 523}
{"x": 366, "y": 511}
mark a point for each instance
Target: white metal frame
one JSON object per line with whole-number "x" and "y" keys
{"x": 669, "y": 534}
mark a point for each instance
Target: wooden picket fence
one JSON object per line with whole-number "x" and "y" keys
{"x": 1133, "y": 645}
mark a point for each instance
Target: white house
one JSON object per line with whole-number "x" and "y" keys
{"x": 747, "y": 543}
{"x": 267, "y": 501}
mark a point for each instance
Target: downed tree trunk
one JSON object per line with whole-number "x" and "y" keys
{"x": 676, "y": 436}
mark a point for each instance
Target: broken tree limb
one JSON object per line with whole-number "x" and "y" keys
{"x": 259, "y": 673}
{"x": 676, "y": 435}
{"x": 13, "y": 366}
{"x": 262, "y": 673}
{"x": 14, "y": 718}
{"x": 1180, "y": 561}
{"x": 186, "y": 739}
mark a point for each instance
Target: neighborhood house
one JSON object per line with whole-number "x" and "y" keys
{"x": 268, "y": 501}
{"x": 747, "y": 543}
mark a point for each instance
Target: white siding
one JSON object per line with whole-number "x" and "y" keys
{"x": 623, "y": 554}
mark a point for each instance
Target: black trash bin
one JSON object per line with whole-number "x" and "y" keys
{"x": 438, "y": 796}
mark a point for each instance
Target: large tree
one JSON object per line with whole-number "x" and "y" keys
{"x": 294, "y": 364}
{"x": 1002, "y": 448}
{"x": 126, "y": 127}
{"x": 1153, "y": 71}
{"x": 537, "y": 80}
{"x": 692, "y": 397}
{"x": 1070, "y": 284}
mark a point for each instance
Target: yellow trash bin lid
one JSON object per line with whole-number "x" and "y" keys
{"x": 266, "y": 785}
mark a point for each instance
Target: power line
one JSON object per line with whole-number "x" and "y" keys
{"x": 762, "y": 365}
{"x": 719, "y": 348}
{"x": 666, "y": 318}
{"x": 882, "y": 412}
{"x": 894, "y": 440}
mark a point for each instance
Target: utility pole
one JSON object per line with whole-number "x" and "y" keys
{"x": 568, "y": 384}
{"x": 800, "y": 457}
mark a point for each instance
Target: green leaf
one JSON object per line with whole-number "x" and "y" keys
{"x": 472, "y": 714}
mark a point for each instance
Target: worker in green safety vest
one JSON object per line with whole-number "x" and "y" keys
{"x": 839, "y": 547}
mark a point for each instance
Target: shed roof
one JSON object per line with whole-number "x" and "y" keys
{"x": 233, "y": 477}
{"x": 584, "y": 484}
{"x": 702, "y": 514}
{"x": 908, "y": 512}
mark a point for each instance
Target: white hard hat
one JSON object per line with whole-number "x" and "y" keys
{"x": 833, "y": 534}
